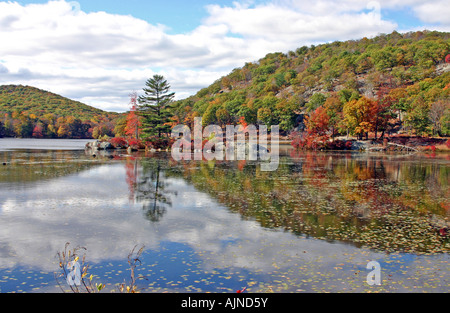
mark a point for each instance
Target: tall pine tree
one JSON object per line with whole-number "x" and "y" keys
{"x": 154, "y": 107}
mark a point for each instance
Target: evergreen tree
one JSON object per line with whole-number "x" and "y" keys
{"x": 154, "y": 108}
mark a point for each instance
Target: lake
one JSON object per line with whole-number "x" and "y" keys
{"x": 208, "y": 226}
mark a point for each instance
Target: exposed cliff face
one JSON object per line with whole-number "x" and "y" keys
{"x": 442, "y": 68}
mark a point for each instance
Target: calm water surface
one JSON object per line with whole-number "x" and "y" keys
{"x": 311, "y": 226}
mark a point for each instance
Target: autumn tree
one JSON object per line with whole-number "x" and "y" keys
{"x": 358, "y": 116}
{"x": 133, "y": 124}
{"x": 22, "y": 125}
{"x": 317, "y": 130}
{"x": 318, "y": 122}
{"x": 265, "y": 116}
{"x": 333, "y": 107}
{"x": 437, "y": 111}
{"x": 119, "y": 126}
{"x": 382, "y": 111}
{"x": 190, "y": 116}
{"x": 38, "y": 131}
{"x": 63, "y": 131}
{"x": 76, "y": 128}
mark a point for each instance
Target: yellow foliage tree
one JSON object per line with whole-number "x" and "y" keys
{"x": 357, "y": 116}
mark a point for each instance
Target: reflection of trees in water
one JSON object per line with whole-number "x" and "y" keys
{"x": 20, "y": 167}
{"x": 151, "y": 189}
{"x": 372, "y": 201}
{"x": 132, "y": 171}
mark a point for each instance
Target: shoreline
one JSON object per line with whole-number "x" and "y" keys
{"x": 389, "y": 144}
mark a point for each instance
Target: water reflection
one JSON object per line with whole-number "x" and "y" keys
{"x": 393, "y": 204}
{"x": 22, "y": 167}
{"x": 152, "y": 191}
{"x": 148, "y": 185}
{"x": 213, "y": 225}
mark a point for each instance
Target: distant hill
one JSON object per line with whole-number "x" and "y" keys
{"x": 40, "y": 102}
{"x": 283, "y": 88}
{"x": 31, "y": 112}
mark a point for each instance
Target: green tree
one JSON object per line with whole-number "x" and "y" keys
{"x": 223, "y": 116}
{"x": 418, "y": 116}
{"x": 384, "y": 58}
{"x": 333, "y": 107}
{"x": 265, "y": 116}
{"x": 285, "y": 114}
{"x": 210, "y": 117}
{"x": 120, "y": 125}
{"x": 8, "y": 126}
{"x": 316, "y": 100}
{"x": 249, "y": 114}
{"x": 445, "y": 122}
{"x": 154, "y": 107}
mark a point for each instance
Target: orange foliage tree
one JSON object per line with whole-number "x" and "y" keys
{"x": 132, "y": 128}
{"x": 317, "y": 127}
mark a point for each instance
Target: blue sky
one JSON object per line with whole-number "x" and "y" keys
{"x": 180, "y": 16}
{"x": 99, "y": 51}
{"x": 183, "y": 16}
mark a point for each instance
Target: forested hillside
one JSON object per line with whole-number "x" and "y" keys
{"x": 31, "y": 112}
{"x": 391, "y": 83}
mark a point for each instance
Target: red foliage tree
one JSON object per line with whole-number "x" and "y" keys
{"x": 318, "y": 122}
{"x": 132, "y": 128}
{"x": 37, "y": 132}
{"x": 243, "y": 122}
{"x": 317, "y": 131}
{"x": 381, "y": 111}
{"x": 447, "y": 58}
{"x": 131, "y": 177}
{"x": 119, "y": 142}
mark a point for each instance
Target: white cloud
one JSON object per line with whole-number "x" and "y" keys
{"x": 434, "y": 12}
{"x": 102, "y": 57}
{"x": 99, "y": 58}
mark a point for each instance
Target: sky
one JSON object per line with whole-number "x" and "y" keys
{"x": 100, "y": 51}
